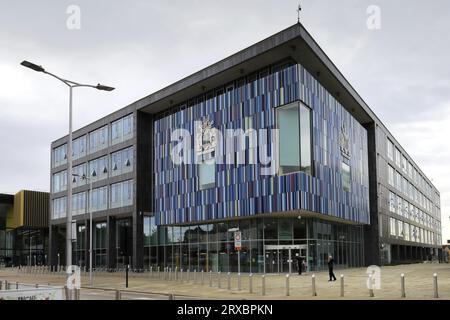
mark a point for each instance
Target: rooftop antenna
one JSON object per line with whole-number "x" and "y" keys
{"x": 298, "y": 13}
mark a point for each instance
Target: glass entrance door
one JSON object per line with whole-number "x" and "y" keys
{"x": 271, "y": 261}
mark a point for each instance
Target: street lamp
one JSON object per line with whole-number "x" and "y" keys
{"x": 71, "y": 85}
{"x": 84, "y": 177}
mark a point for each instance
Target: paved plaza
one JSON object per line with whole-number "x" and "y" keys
{"x": 151, "y": 286}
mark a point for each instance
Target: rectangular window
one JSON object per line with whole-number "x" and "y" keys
{"x": 392, "y": 202}
{"x": 122, "y": 194}
{"x": 98, "y": 139}
{"x": 390, "y": 150}
{"x": 122, "y": 129}
{"x": 99, "y": 199}
{"x": 122, "y": 161}
{"x": 98, "y": 168}
{"x": 406, "y": 230}
{"x": 404, "y": 164}
{"x": 346, "y": 177}
{"x": 79, "y": 203}
{"x": 400, "y": 229}
{"x": 79, "y": 172}
{"x": 324, "y": 142}
{"x": 207, "y": 175}
{"x": 79, "y": 148}
{"x": 59, "y": 181}
{"x": 392, "y": 227}
{"x": 399, "y": 206}
{"x": 59, "y": 208}
{"x": 60, "y": 155}
{"x": 288, "y": 125}
{"x": 391, "y": 173}
{"x": 398, "y": 181}
{"x": 398, "y": 157}
{"x": 294, "y": 124}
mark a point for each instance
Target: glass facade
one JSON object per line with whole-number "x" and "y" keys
{"x": 267, "y": 244}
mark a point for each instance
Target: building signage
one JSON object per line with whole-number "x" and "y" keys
{"x": 237, "y": 240}
{"x": 35, "y": 294}
{"x": 344, "y": 141}
{"x": 206, "y": 137}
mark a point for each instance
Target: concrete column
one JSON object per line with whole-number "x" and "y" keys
{"x": 86, "y": 242}
{"x": 111, "y": 243}
{"x": 138, "y": 240}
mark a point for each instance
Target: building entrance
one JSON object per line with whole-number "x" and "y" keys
{"x": 283, "y": 258}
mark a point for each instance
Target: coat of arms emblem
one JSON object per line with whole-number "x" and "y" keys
{"x": 344, "y": 142}
{"x": 206, "y": 137}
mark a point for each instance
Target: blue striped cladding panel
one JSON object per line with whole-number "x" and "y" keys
{"x": 240, "y": 190}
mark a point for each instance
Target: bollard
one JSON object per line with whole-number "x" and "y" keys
{"x": 229, "y": 281}
{"x": 176, "y": 273}
{"x": 170, "y": 274}
{"x": 158, "y": 274}
{"x": 151, "y": 272}
{"x": 203, "y": 277}
{"x": 36, "y": 285}
{"x": 210, "y": 278}
{"x": 313, "y": 285}
{"x": 371, "y": 294}
{"x": 195, "y": 275}
{"x": 67, "y": 293}
{"x": 171, "y": 296}
{"x": 218, "y": 280}
{"x": 263, "y": 285}
{"x": 118, "y": 295}
{"x": 7, "y": 287}
{"x": 1, "y": 285}
{"x": 181, "y": 275}
{"x": 402, "y": 285}
{"x": 342, "y": 285}
{"x": 77, "y": 294}
{"x": 250, "y": 282}
{"x": 435, "y": 286}
{"x": 287, "y": 285}
{"x": 17, "y": 286}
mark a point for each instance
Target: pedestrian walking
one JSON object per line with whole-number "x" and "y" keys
{"x": 330, "y": 268}
{"x": 299, "y": 264}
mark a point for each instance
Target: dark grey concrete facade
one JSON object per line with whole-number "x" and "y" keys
{"x": 293, "y": 43}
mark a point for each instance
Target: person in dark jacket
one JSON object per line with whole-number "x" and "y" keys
{"x": 299, "y": 265}
{"x": 330, "y": 268}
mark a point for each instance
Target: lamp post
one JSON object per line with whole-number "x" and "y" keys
{"x": 71, "y": 85}
{"x": 84, "y": 177}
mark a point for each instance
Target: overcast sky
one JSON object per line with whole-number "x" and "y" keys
{"x": 401, "y": 70}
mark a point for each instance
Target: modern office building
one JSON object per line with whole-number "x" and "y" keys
{"x": 271, "y": 141}
{"x": 24, "y": 228}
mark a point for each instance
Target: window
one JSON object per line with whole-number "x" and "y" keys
{"x": 294, "y": 124}
{"x": 392, "y": 202}
{"x": 346, "y": 178}
{"x": 79, "y": 172}
{"x": 400, "y": 229}
{"x": 98, "y": 168}
{"x": 391, "y": 174}
{"x": 99, "y": 199}
{"x": 122, "y": 129}
{"x": 398, "y": 157}
{"x": 398, "y": 181}
{"x": 207, "y": 175}
{"x": 59, "y": 208}
{"x": 406, "y": 231}
{"x": 59, "y": 181}
{"x": 79, "y": 203}
{"x": 390, "y": 150}
{"x": 98, "y": 139}
{"x": 404, "y": 164}
{"x": 324, "y": 142}
{"x": 60, "y": 155}
{"x": 79, "y": 147}
{"x": 122, "y": 161}
{"x": 122, "y": 194}
{"x": 392, "y": 227}
{"x": 399, "y": 205}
